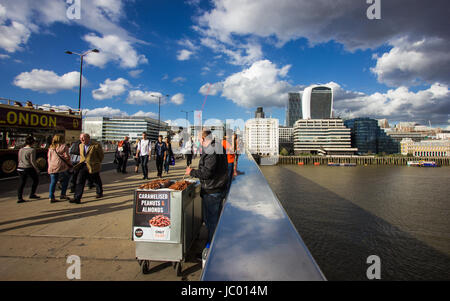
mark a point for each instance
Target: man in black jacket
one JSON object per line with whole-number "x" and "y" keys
{"x": 122, "y": 153}
{"x": 212, "y": 172}
{"x": 161, "y": 153}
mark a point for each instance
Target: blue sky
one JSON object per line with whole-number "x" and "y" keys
{"x": 252, "y": 53}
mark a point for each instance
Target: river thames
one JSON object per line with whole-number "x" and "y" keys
{"x": 345, "y": 214}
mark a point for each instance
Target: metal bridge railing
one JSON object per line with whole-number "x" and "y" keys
{"x": 255, "y": 240}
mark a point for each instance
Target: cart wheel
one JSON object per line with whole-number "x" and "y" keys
{"x": 178, "y": 268}
{"x": 145, "y": 266}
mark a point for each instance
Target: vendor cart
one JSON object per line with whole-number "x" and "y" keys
{"x": 165, "y": 224}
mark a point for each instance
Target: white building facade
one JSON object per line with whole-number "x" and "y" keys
{"x": 261, "y": 136}
{"x": 116, "y": 128}
{"x": 320, "y": 136}
{"x": 426, "y": 148}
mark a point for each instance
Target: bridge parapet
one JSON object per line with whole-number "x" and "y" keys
{"x": 255, "y": 240}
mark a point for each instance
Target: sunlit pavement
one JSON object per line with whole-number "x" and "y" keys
{"x": 37, "y": 237}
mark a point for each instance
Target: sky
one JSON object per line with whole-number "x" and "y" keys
{"x": 383, "y": 59}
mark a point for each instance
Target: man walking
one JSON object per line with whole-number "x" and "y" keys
{"x": 161, "y": 153}
{"x": 212, "y": 172}
{"x": 75, "y": 157}
{"x": 144, "y": 151}
{"x": 122, "y": 154}
{"x": 91, "y": 157}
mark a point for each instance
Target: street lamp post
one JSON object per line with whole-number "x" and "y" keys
{"x": 187, "y": 120}
{"x": 159, "y": 108}
{"x": 81, "y": 55}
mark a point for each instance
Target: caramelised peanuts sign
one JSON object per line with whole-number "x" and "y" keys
{"x": 151, "y": 221}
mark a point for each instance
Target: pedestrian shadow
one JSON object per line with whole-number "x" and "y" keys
{"x": 67, "y": 214}
{"x": 191, "y": 270}
{"x": 159, "y": 267}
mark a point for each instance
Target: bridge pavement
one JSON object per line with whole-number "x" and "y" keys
{"x": 37, "y": 237}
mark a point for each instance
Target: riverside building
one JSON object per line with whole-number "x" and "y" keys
{"x": 116, "y": 128}
{"x": 322, "y": 136}
{"x": 294, "y": 109}
{"x": 261, "y": 136}
{"x": 317, "y": 102}
{"x": 286, "y": 138}
{"x": 427, "y": 148}
{"x": 369, "y": 138}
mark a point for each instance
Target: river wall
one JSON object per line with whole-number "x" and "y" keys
{"x": 360, "y": 160}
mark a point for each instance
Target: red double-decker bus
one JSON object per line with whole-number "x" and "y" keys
{"x": 19, "y": 120}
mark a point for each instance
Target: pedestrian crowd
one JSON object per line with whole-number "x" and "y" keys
{"x": 67, "y": 165}
{"x": 74, "y": 165}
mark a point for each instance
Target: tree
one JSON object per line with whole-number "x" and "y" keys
{"x": 284, "y": 152}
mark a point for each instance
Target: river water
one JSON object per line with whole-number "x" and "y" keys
{"x": 345, "y": 214}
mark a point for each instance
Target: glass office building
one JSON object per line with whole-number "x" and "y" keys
{"x": 317, "y": 102}
{"x": 294, "y": 109}
{"x": 369, "y": 138}
{"x": 259, "y": 113}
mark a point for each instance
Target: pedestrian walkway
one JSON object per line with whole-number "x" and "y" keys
{"x": 37, "y": 237}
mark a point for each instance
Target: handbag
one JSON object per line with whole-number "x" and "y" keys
{"x": 172, "y": 161}
{"x": 68, "y": 164}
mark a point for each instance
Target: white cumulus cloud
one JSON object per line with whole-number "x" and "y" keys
{"x": 14, "y": 35}
{"x": 110, "y": 88}
{"x": 258, "y": 85}
{"x": 141, "y": 97}
{"x": 113, "y": 48}
{"x": 411, "y": 63}
{"x": 177, "y": 99}
{"x": 114, "y": 112}
{"x": 47, "y": 81}
{"x": 184, "y": 54}
{"x": 26, "y": 17}
{"x": 105, "y": 111}
{"x": 211, "y": 89}
{"x": 145, "y": 114}
{"x": 396, "y": 104}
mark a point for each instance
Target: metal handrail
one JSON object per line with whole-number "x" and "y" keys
{"x": 23, "y": 104}
{"x": 255, "y": 239}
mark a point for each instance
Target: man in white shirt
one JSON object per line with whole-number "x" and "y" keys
{"x": 144, "y": 151}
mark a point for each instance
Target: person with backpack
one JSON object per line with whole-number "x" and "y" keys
{"x": 27, "y": 167}
{"x": 122, "y": 153}
{"x": 58, "y": 159}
